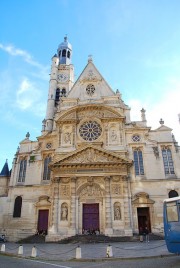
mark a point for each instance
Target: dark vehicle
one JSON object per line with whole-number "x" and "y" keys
{"x": 171, "y": 215}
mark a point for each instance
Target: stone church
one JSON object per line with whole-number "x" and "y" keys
{"x": 92, "y": 168}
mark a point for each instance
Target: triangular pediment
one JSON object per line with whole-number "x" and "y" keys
{"x": 90, "y": 155}
{"x": 163, "y": 128}
{"x": 90, "y": 76}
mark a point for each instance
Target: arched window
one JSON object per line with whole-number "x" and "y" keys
{"x": 64, "y": 53}
{"x": 22, "y": 170}
{"x": 17, "y": 207}
{"x": 46, "y": 174}
{"x": 138, "y": 162}
{"x": 59, "y": 53}
{"x": 57, "y": 94}
{"x": 168, "y": 161}
{"x": 68, "y": 54}
{"x": 63, "y": 92}
{"x": 172, "y": 194}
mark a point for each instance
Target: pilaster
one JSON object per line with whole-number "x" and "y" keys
{"x": 108, "y": 212}
{"x": 72, "y": 230}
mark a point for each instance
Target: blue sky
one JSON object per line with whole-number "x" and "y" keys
{"x": 134, "y": 43}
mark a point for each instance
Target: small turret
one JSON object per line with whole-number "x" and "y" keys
{"x": 65, "y": 52}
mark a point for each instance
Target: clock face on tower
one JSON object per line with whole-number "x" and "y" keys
{"x": 62, "y": 77}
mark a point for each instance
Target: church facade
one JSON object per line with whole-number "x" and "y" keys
{"x": 92, "y": 168}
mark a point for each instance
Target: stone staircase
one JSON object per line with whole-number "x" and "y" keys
{"x": 33, "y": 239}
{"x": 85, "y": 239}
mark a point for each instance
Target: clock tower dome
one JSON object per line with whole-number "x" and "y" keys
{"x": 61, "y": 80}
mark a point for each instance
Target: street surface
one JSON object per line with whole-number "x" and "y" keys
{"x": 155, "y": 262}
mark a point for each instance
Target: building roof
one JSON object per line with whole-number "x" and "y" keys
{"x": 5, "y": 170}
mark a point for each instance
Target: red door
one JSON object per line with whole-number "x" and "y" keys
{"x": 43, "y": 220}
{"x": 91, "y": 217}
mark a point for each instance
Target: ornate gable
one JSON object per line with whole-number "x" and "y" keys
{"x": 91, "y": 155}
{"x": 90, "y": 85}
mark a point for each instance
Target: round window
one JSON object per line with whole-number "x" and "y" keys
{"x": 90, "y": 90}
{"x": 90, "y": 130}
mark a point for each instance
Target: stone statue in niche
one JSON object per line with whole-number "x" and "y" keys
{"x": 117, "y": 212}
{"x": 113, "y": 135}
{"x": 67, "y": 137}
{"x": 64, "y": 212}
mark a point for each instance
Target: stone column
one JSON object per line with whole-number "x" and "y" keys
{"x": 72, "y": 230}
{"x": 127, "y": 217}
{"x": 108, "y": 210}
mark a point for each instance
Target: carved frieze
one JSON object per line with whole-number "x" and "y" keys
{"x": 91, "y": 191}
{"x": 109, "y": 114}
{"x": 90, "y": 113}
{"x": 70, "y": 116}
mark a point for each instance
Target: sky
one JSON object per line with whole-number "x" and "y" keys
{"x": 134, "y": 45}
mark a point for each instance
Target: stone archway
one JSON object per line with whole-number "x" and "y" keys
{"x": 43, "y": 207}
{"x": 143, "y": 211}
{"x": 90, "y": 203}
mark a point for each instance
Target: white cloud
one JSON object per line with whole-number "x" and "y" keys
{"x": 13, "y": 51}
{"x": 29, "y": 97}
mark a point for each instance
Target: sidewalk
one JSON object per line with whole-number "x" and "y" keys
{"x": 122, "y": 250}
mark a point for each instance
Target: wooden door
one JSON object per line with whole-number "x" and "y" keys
{"x": 91, "y": 217}
{"x": 43, "y": 220}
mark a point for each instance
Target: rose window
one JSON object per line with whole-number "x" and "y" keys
{"x": 90, "y": 130}
{"x": 90, "y": 90}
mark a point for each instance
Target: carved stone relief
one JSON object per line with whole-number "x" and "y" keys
{"x": 91, "y": 191}
{"x": 80, "y": 181}
{"x": 96, "y": 113}
{"x": 89, "y": 156}
{"x": 65, "y": 190}
{"x": 70, "y": 116}
{"x": 67, "y": 135}
{"x": 114, "y": 134}
{"x": 109, "y": 114}
{"x": 65, "y": 180}
{"x": 116, "y": 189}
{"x": 90, "y": 113}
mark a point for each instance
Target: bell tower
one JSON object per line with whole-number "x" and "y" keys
{"x": 61, "y": 80}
